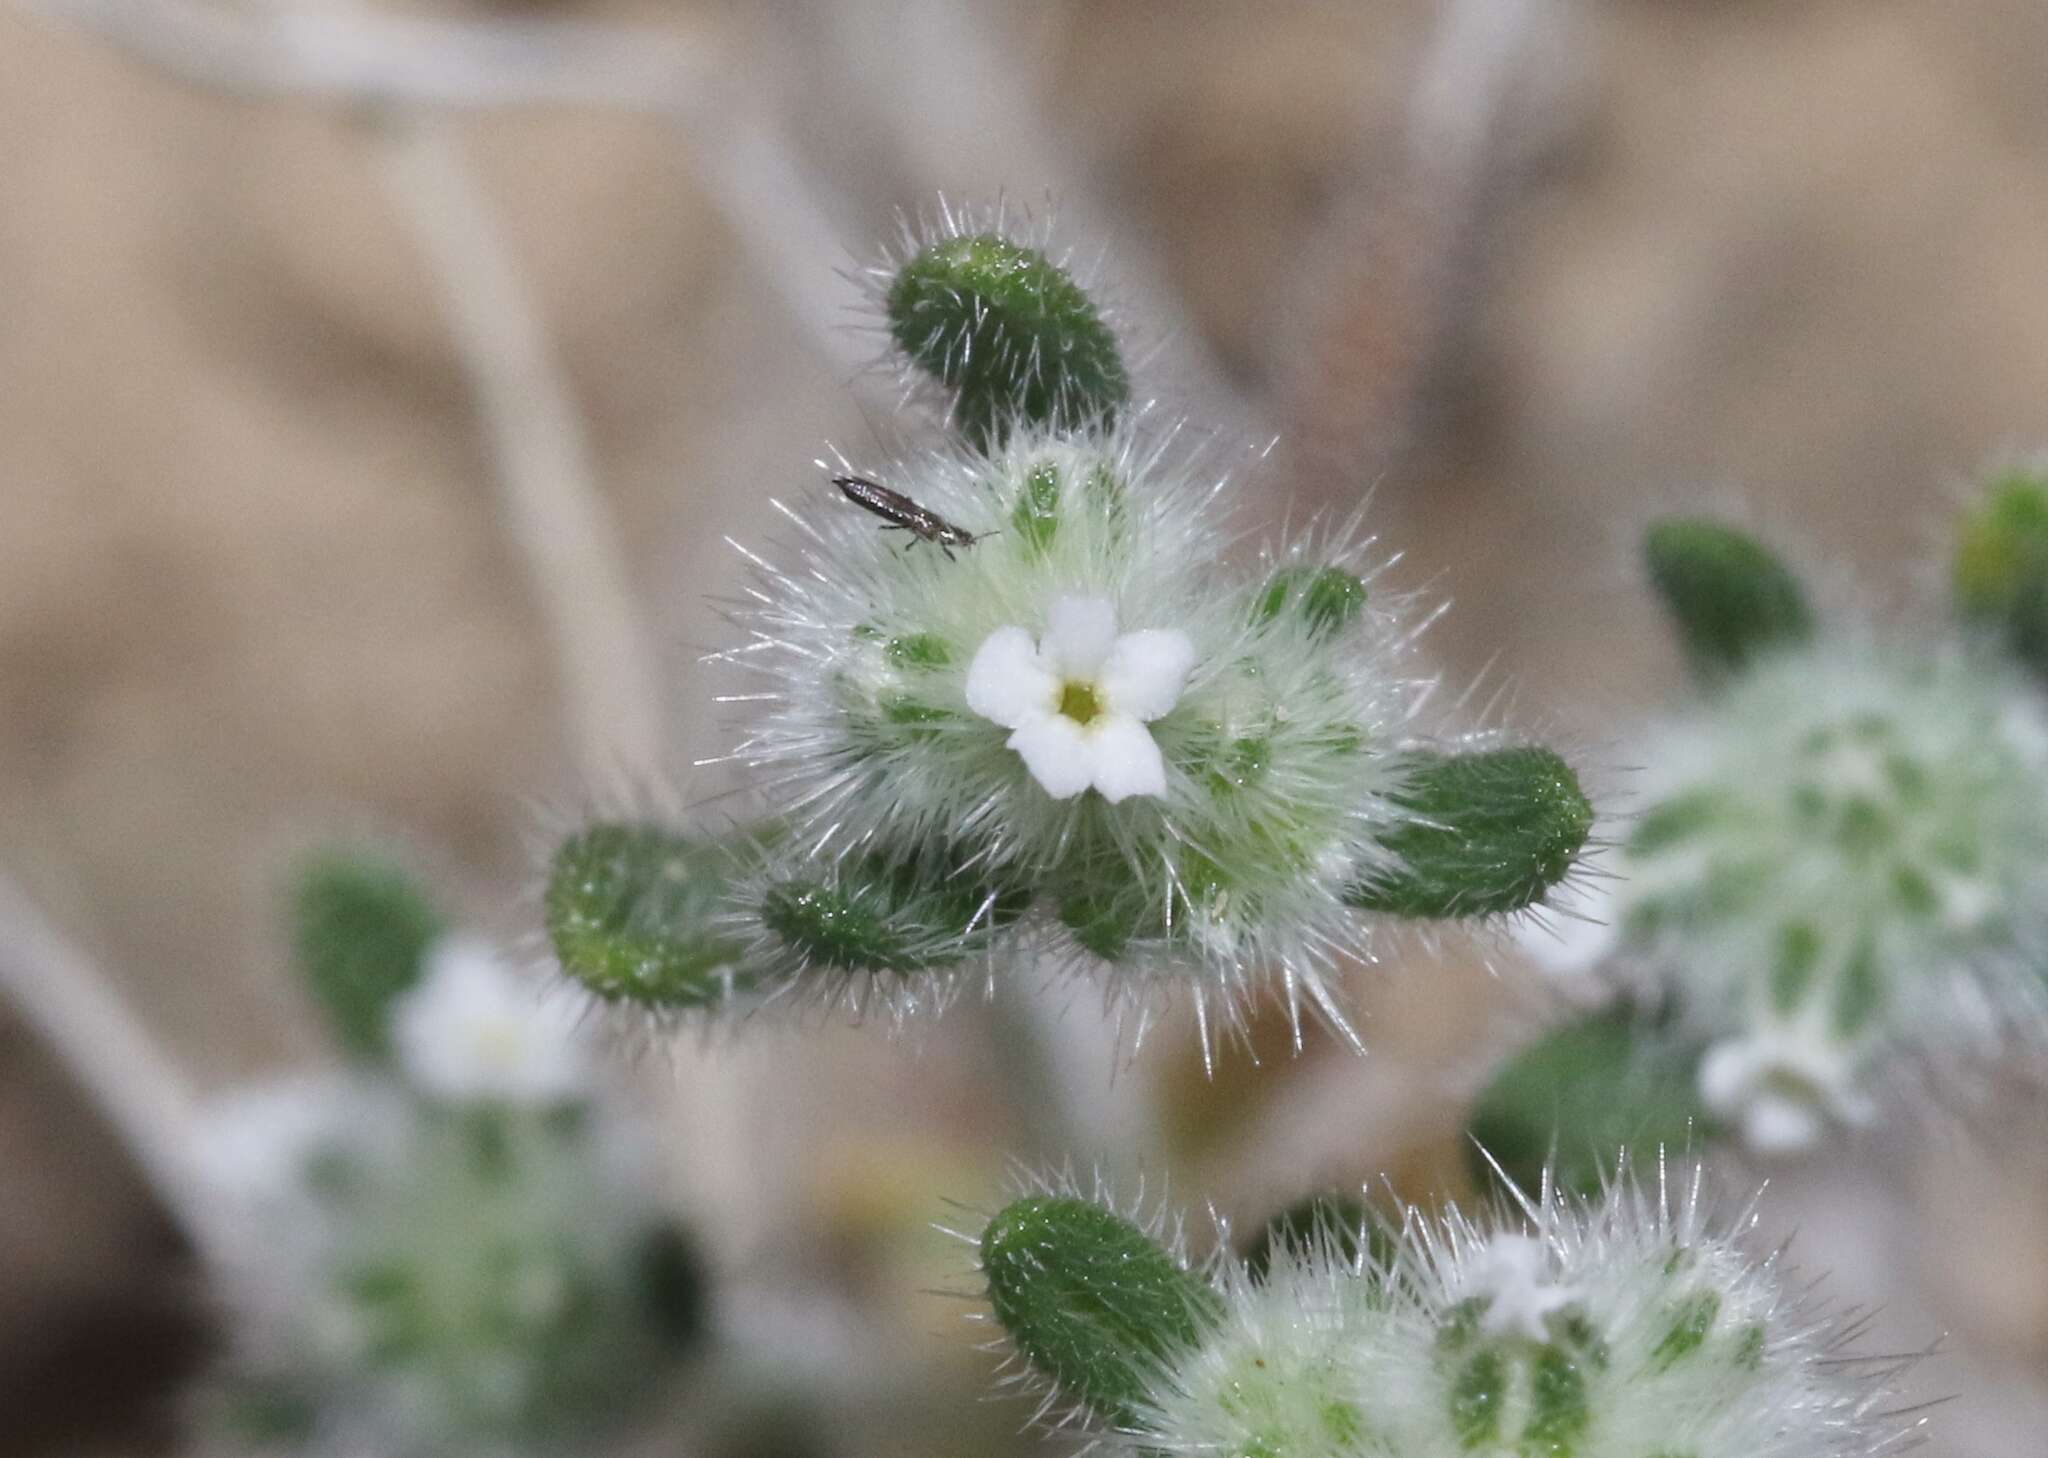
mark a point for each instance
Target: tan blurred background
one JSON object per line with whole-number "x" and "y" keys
{"x": 257, "y": 579}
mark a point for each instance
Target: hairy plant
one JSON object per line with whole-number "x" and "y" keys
{"x": 1628, "y": 1323}
{"x": 1026, "y": 695}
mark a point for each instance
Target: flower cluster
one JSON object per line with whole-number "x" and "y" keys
{"x": 1020, "y": 694}
{"x": 457, "y": 1248}
{"x": 1839, "y": 871}
{"x": 1192, "y": 770}
{"x": 1629, "y": 1324}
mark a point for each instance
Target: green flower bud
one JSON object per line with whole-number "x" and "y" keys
{"x": 631, "y": 911}
{"x": 1492, "y": 832}
{"x": 361, "y": 927}
{"x": 1093, "y": 1303}
{"x": 1728, "y": 595}
{"x": 1008, "y": 334}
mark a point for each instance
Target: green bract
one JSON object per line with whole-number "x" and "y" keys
{"x": 633, "y": 912}
{"x": 873, "y": 914}
{"x": 2001, "y": 563}
{"x": 1489, "y": 832}
{"x": 1008, "y": 335}
{"x": 1728, "y": 596}
{"x": 361, "y": 927}
{"x": 1093, "y": 1303}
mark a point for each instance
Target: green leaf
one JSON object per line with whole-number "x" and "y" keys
{"x": 361, "y": 927}
{"x": 1492, "y": 832}
{"x": 1729, "y": 597}
{"x": 2001, "y": 564}
{"x": 1092, "y": 1302}
{"x": 631, "y": 907}
{"x": 1581, "y": 1095}
{"x": 1012, "y": 338}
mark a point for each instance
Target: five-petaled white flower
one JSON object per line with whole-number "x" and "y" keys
{"x": 471, "y": 1031}
{"x": 1079, "y": 698}
{"x": 1781, "y": 1084}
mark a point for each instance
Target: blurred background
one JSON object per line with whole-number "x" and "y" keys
{"x": 360, "y": 362}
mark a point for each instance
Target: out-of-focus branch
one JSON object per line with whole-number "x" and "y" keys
{"x": 1396, "y": 295}
{"x": 68, "y": 1002}
{"x": 355, "y": 56}
{"x": 540, "y": 452}
{"x": 361, "y": 56}
{"x": 401, "y": 70}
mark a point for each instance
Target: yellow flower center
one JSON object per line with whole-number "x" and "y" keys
{"x": 1078, "y": 701}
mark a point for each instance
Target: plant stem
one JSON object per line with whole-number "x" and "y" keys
{"x": 69, "y": 1003}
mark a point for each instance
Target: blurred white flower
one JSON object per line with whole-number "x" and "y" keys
{"x": 1079, "y": 698}
{"x": 1780, "y": 1085}
{"x": 1512, "y": 1275}
{"x": 471, "y": 1032}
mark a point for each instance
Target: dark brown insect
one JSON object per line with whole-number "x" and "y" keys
{"x": 900, "y": 514}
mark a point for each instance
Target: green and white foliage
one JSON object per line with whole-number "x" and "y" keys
{"x": 1842, "y": 859}
{"x": 1632, "y": 1324}
{"x": 1072, "y": 717}
{"x": 1836, "y": 884}
{"x": 455, "y": 1247}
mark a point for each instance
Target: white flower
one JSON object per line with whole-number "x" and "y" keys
{"x": 1512, "y": 1273}
{"x": 1261, "y": 726}
{"x": 470, "y": 1032}
{"x": 1782, "y": 1085}
{"x": 1078, "y": 699}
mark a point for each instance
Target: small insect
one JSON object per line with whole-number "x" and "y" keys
{"x": 900, "y": 514}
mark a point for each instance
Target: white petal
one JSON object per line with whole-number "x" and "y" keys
{"x": 1777, "y": 1124}
{"x": 1124, "y": 759}
{"x": 1145, "y": 672}
{"x": 1079, "y": 632}
{"x": 1727, "y": 1075}
{"x": 471, "y": 1031}
{"x": 1056, "y": 751}
{"x": 1008, "y": 681}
